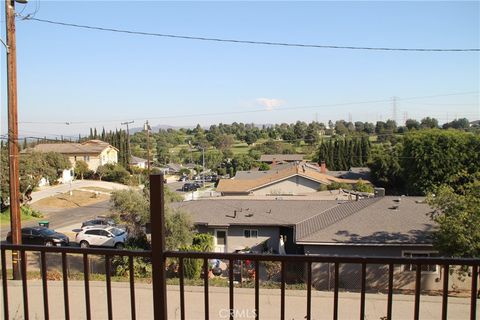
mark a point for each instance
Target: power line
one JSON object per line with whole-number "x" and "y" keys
{"x": 267, "y": 43}
{"x": 247, "y": 111}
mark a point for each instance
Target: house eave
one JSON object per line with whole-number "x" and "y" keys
{"x": 364, "y": 244}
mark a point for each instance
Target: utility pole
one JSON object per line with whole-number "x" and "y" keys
{"x": 129, "y": 153}
{"x": 15, "y": 222}
{"x": 394, "y": 108}
{"x": 203, "y": 166}
{"x": 147, "y": 128}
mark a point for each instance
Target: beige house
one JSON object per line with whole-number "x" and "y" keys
{"x": 94, "y": 152}
{"x": 297, "y": 178}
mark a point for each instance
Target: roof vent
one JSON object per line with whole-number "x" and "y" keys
{"x": 248, "y": 215}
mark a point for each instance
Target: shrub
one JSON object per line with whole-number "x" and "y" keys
{"x": 204, "y": 241}
{"x": 192, "y": 268}
{"x": 339, "y": 185}
{"x": 323, "y": 187}
{"x": 363, "y": 187}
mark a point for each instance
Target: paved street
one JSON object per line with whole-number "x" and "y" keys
{"x": 322, "y": 307}
{"x": 65, "y": 220}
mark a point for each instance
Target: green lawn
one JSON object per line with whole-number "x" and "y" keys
{"x": 240, "y": 148}
{"x": 5, "y": 216}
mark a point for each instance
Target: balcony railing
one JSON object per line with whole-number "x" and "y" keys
{"x": 158, "y": 257}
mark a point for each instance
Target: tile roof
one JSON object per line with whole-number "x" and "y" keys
{"x": 91, "y": 147}
{"x": 275, "y": 175}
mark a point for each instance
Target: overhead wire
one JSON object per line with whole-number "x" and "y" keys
{"x": 250, "y": 42}
{"x": 247, "y": 111}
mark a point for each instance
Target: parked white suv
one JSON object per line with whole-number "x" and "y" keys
{"x": 101, "y": 236}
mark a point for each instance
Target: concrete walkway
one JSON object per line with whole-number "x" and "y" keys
{"x": 322, "y": 305}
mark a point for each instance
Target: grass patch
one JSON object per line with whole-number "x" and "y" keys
{"x": 240, "y": 148}
{"x": 27, "y": 213}
{"x": 77, "y": 199}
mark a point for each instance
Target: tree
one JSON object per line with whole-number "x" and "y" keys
{"x": 242, "y": 162}
{"x": 133, "y": 208}
{"x": 429, "y": 123}
{"x": 213, "y": 159}
{"x": 462, "y": 123}
{"x": 431, "y": 158}
{"x": 311, "y": 136}
{"x": 386, "y": 168}
{"x": 412, "y": 124}
{"x": 250, "y": 138}
{"x": 457, "y": 213}
{"x": 224, "y": 141}
{"x": 81, "y": 167}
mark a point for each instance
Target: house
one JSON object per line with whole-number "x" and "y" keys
{"x": 286, "y": 179}
{"x": 173, "y": 168}
{"x": 381, "y": 226}
{"x": 94, "y": 152}
{"x": 275, "y": 159}
{"x": 139, "y": 162}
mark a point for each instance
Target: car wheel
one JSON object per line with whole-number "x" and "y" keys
{"x": 119, "y": 246}
{"x": 49, "y": 244}
{"x": 84, "y": 244}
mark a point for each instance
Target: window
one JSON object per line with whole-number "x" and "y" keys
{"x": 250, "y": 233}
{"x": 420, "y": 254}
{"x": 93, "y": 232}
{"x": 104, "y": 233}
{"x": 26, "y": 232}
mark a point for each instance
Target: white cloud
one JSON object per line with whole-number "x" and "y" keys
{"x": 269, "y": 104}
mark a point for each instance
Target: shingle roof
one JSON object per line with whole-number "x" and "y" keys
{"x": 276, "y": 175}
{"x": 281, "y": 157}
{"x": 89, "y": 147}
{"x": 373, "y": 221}
{"x": 137, "y": 160}
{"x": 219, "y": 212}
{"x": 367, "y": 221}
{"x": 330, "y": 217}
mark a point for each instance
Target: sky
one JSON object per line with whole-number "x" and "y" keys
{"x": 91, "y": 78}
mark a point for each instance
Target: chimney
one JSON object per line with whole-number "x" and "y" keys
{"x": 323, "y": 167}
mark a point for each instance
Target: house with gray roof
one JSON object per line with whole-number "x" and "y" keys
{"x": 320, "y": 227}
{"x": 381, "y": 226}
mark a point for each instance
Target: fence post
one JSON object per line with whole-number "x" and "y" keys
{"x": 157, "y": 220}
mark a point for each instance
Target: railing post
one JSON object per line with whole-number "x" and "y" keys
{"x": 157, "y": 219}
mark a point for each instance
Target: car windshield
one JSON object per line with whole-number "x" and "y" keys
{"x": 116, "y": 231}
{"x": 47, "y": 232}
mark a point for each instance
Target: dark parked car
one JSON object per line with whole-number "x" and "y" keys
{"x": 41, "y": 236}
{"x": 100, "y": 221}
{"x": 190, "y": 186}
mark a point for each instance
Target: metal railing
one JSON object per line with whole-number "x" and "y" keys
{"x": 158, "y": 256}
